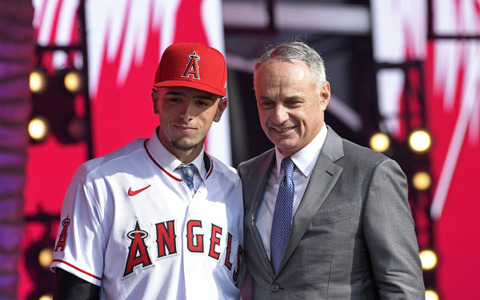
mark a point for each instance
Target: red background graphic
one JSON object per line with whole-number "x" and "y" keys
{"x": 457, "y": 238}
{"x": 123, "y": 112}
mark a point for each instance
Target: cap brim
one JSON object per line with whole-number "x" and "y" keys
{"x": 190, "y": 84}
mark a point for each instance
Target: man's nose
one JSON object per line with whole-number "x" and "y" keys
{"x": 186, "y": 110}
{"x": 280, "y": 114}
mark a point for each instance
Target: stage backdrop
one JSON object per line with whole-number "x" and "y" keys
{"x": 452, "y": 87}
{"x": 125, "y": 42}
{"x": 125, "y": 39}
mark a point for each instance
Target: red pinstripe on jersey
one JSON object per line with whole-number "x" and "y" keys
{"x": 76, "y": 268}
{"x": 209, "y": 172}
{"x": 158, "y": 165}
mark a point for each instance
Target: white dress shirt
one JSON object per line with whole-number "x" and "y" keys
{"x": 170, "y": 162}
{"x": 304, "y": 160}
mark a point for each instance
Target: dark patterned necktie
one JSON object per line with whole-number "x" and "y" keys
{"x": 187, "y": 174}
{"x": 282, "y": 215}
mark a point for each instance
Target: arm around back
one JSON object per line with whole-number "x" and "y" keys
{"x": 71, "y": 287}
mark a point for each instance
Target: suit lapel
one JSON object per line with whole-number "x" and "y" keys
{"x": 257, "y": 181}
{"x": 323, "y": 178}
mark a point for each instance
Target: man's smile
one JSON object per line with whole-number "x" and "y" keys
{"x": 184, "y": 128}
{"x": 283, "y": 129}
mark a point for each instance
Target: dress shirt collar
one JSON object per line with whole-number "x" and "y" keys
{"x": 167, "y": 160}
{"x": 306, "y": 157}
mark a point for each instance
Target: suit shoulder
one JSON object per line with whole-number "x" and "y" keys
{"x": 224, "y": 171}
{"x": 255, "y": 161}
{"x": 363, "y": 154}
{"x": 353, "y": 147}
{"x": 362, "y": 160}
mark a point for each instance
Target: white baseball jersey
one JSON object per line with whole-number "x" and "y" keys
{"x": 132, "y": 226}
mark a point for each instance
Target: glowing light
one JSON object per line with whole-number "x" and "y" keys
{"x": 45, "y": 258}
{"x": 38, "y": 129}
{"x": 422, "y": 181}
{"x": 73, "y": 81}
{"x": 380, "y": 142}
{"x": 431, "y": 295}
{"x": 38, "y": 81}
{"x": 420, "y": 141}
{"x": 46, "y": 297}
{"x": 429, "y": 259}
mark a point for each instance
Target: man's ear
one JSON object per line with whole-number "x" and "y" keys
{"x": 154, "y": 96}
{"x": 222, "y": 105}
{"x": 325, "y": 95}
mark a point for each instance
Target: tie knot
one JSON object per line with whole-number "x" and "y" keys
{"x": 188, "y": 171}
{"x": 287, "y": 166}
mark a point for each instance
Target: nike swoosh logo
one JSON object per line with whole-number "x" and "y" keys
{"x": 133, "y": 193}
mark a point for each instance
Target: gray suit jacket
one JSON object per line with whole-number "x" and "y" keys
{"x": 352, "y": 237}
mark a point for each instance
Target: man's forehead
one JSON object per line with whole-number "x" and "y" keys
{"x": 181, "y": 90}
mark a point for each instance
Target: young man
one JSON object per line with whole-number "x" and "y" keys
{"x": 158, "y": 218}
{"x": 324, "y": 218}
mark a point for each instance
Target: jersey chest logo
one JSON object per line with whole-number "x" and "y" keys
{"x": 139, "y": 256}
{"x": 134, "y": 192}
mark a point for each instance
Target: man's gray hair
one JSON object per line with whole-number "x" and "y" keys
{"x": 296, "y": 52}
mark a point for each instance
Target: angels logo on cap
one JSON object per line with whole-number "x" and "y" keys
{"x": 192, "y": 65}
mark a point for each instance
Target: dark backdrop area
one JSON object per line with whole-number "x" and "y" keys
{"x": 350, "y": 70}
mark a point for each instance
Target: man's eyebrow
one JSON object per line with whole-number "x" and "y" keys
{"x": 264, "y": 98}
{"x": 267, "y": 98}
{"x": 204, "y": 97}
{"x": 293, "y": 98}
{"x": 173, "y": 93}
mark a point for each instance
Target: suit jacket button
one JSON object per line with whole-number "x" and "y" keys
{"x": 275, "y": 288}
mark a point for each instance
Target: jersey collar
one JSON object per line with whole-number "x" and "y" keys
{"x": 168, "y": 162}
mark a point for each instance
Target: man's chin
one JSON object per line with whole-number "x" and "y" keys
{"x": 286, "y": 149}
{"x": 184, "y": 145}
{"x": 283, "y": 142}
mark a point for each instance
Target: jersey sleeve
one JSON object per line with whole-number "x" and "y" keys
{"x": 80, "y": 243}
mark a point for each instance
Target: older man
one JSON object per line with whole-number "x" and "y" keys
{"x": 324, "y": 218}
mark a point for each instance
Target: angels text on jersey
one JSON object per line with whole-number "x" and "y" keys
{"x": 167, "y": 244}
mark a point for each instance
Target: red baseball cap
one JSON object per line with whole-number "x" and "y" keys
{"x": 192, "y": 65}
